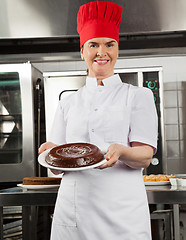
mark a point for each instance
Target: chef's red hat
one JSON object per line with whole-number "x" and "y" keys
{"x": 98, "y": 19}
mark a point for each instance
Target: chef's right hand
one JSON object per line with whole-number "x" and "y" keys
{"x": 46, "y": 146}
{"x": 43, "y": 148}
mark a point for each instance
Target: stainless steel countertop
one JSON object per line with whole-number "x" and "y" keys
{"x": 21, "y": 197}
{"x": 166, "y": 194}
{"x": 29, "y": 198}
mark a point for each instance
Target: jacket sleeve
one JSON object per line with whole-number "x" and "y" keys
{"x": 144, "y": 121}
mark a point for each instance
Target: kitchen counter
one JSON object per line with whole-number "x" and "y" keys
{"x": 47, "y": 197}
{"x": 28, "y": 199}
{"x": 166, "y": 194}
{"x": 21, "y": 197}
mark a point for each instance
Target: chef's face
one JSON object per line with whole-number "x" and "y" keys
{"x": 100, "y": 55}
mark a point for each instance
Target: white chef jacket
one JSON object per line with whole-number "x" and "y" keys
{"x": 110, "y": 203}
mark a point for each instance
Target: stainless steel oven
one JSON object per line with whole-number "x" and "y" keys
{"x": 17, "y": 137}
{"x": 58, "y": 84}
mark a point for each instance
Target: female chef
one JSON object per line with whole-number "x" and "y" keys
{"x": 110, "y": 202}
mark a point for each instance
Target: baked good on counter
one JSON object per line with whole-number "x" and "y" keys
{"x": 157, "y": 177}
{"x": 41, "y": 181}
{"x": 74, "y": 155}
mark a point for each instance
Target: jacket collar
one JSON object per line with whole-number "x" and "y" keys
{"x": 108, "y": 82}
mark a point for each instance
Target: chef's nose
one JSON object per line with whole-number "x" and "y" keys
{"x": 101, "y": 51}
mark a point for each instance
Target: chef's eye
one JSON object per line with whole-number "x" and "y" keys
{"x": 110, "y": 45}
{"x": 93, "y": 45}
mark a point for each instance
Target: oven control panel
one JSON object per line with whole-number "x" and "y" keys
{"x": 151, "y": 81}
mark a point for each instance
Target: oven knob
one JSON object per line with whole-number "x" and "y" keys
{"x": 155, "y": 161}
{"x": 151, "y": 84}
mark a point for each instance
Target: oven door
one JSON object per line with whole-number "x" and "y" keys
{"x": 58, "y": 86}
{"x": 17, "y": 158}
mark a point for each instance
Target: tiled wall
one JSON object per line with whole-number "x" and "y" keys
{"x": 172, "y": 125}
{"x": 175, "y": 122}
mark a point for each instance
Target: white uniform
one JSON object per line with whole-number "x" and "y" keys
{"x": 110, "y": 203}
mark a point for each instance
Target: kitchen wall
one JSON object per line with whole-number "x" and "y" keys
{"x": 174, "y": 100}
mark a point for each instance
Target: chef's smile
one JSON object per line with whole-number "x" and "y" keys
{"x": 101, "y": 62}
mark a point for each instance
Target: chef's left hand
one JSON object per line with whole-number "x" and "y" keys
{"x": 112, "y": 155}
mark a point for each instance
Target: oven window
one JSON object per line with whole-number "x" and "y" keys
{"x": 10, "y": 118}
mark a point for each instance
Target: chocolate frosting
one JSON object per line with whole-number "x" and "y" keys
{"x": 74, "y": 155}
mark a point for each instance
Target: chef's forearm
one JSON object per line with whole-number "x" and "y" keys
{"x": 137, "y": 156}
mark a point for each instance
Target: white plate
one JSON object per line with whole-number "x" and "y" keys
{"x": 37, "y": 187}
{"x": 160, "y": 183}
{"x": 42, "y": 156}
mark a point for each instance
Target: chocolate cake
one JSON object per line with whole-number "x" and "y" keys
{"x": 74, "y": 155}
{"x": 41, "y": 181}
